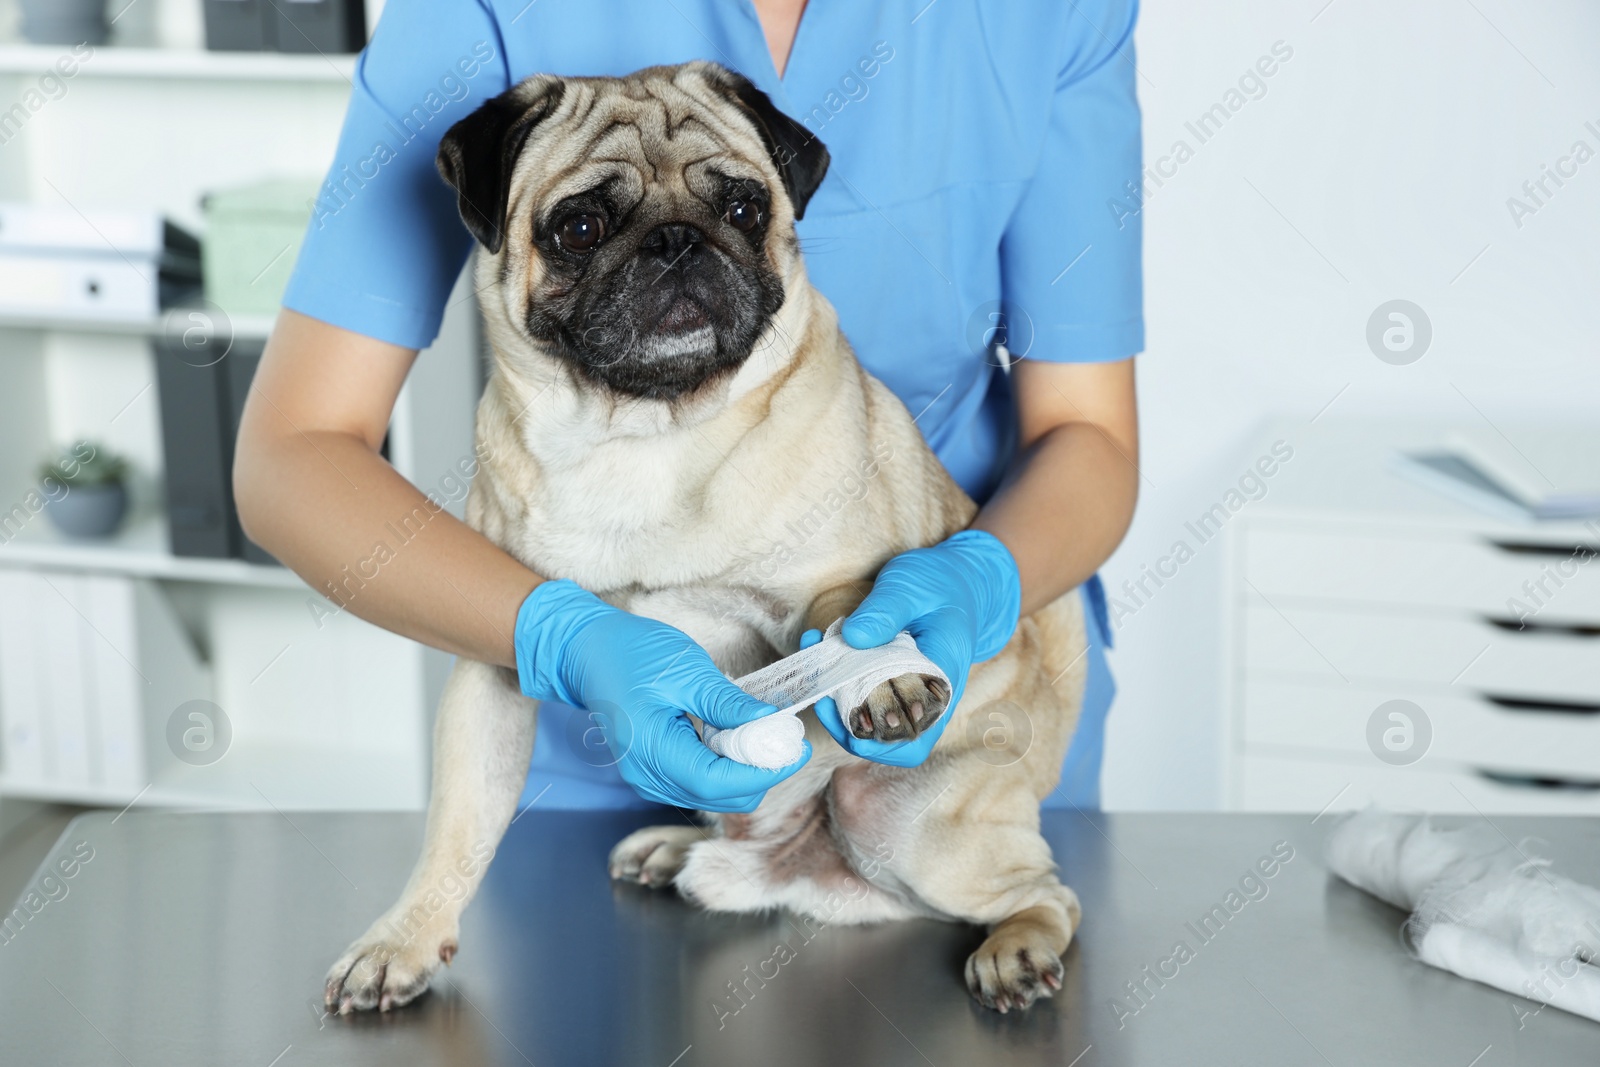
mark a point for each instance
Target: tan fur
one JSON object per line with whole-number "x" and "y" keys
{"x": 672, "y": 510}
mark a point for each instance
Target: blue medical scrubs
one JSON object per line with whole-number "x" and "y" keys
{"x": 984, "y": 190}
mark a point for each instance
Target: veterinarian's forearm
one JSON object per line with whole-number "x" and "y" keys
{"x": 343, "y": 519}
{"x": 1063, "y": 510}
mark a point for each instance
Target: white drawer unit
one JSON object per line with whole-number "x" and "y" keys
{"x": 1407, "y": 569}
{"x": 1483, "y": 638}
{"x": 1266, "y": 782}
{"x": 1346, "y": 645}
{"x": 1483, "y": 735}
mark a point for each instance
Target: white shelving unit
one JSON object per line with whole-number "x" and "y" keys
{"x": 245, "y": 327}
{"x": 182, "y": 64}
{"x": 326, "y": 713}
{"x": 139, "y": 549}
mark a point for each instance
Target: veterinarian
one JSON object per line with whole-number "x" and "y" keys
{"x": 983, "y": 154}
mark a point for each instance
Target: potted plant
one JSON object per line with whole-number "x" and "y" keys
{"x": 87, "y": 490}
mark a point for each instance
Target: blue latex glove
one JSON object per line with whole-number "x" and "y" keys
{"x": 960, "y": 599}
{"x": 639, "y": 678}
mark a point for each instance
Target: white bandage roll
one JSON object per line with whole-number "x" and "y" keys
{"x": 829, "y": 668}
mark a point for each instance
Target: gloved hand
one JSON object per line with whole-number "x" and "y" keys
{"x": 638, "y": 678}
{"x": 960, "y": 599}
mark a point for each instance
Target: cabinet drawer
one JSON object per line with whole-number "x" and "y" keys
{"x": 1269, "y": 782}
{"x": 1461, "y": 571}
{"x": 1342, "y": 647}
{"x": 1469, "y": 730}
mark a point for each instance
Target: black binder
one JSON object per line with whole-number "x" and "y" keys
{"x": 198, "y": 446}
{"x": 321, "y": 26}
{"x": 318, "y": 26}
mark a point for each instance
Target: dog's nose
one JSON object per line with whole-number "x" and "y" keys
{"x": 671, "y": 241}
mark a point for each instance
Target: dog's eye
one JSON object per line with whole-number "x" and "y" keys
{"x": 579, "y": 233}
{"x": 744, "y": 215}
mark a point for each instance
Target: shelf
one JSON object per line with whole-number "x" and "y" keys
{"x": 138, "y": 550}
{"x": 181, "y": 63}
{"x": 245, "y": 327}
{"x": 260, "y": 777}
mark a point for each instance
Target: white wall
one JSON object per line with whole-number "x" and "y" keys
{"x": 1390, "y": 140}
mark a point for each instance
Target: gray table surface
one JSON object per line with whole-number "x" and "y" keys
{"x": 202, "y": 939}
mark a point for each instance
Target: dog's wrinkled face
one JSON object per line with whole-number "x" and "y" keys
{"x": 644, "y": 224}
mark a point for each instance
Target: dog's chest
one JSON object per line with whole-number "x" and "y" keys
{"x": 652, "y": 531}
{"x": 629, "y": 514}
{"x": 674, "y": 510}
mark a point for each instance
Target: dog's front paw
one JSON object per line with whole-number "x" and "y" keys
{"x": 385, "y": 968}
{"x": 652, "y": 856}
{"x": 1014, "y": 968}
{"x": 901, "y": 708}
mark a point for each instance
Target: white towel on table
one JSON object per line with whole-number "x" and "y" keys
{"x": 1481, "y": 906}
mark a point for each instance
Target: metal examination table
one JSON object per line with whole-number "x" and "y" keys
{"x": 202, "y": 939}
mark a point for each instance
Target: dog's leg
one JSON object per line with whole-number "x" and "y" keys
{"x": 835, "y": 603}
{"x": 481, "y": 746}
{"x": 1008, "y": 883}
{"x": 963, "y": 839}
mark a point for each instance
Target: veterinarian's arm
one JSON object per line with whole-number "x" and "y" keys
{"x": 313, "y": 490}
{"x": 1063, "y": 507}
{"x": 1069, "y": 496}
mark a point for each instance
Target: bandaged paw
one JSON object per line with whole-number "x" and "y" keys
{"x": 829, "y": 668}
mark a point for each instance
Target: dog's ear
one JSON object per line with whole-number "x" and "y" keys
{"x": 801, "y": 159}
{"x": 478, "y": 153}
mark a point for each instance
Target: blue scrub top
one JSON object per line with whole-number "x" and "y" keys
{"x": 983, "y": 190}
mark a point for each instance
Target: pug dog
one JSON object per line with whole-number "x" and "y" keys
{"x": 671, "y": 405}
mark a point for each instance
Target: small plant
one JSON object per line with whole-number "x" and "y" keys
{"x": 85, "y": 466}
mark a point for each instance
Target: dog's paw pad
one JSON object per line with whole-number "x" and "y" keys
{"x": 901, "y": 708}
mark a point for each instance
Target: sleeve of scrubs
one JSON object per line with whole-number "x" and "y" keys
{"x": 1070, "y": 257}
{"x": 385, "y": 244}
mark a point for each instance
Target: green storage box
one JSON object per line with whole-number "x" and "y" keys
{"x": 252, "y": 239}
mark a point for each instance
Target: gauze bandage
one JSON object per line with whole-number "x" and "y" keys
{"x": 1480, "y": 906}
{"x": 829, "y": 668}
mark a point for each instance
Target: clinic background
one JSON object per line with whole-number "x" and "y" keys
{"x": 1373, "y": 164}
{"x": 1377, "y": 166}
